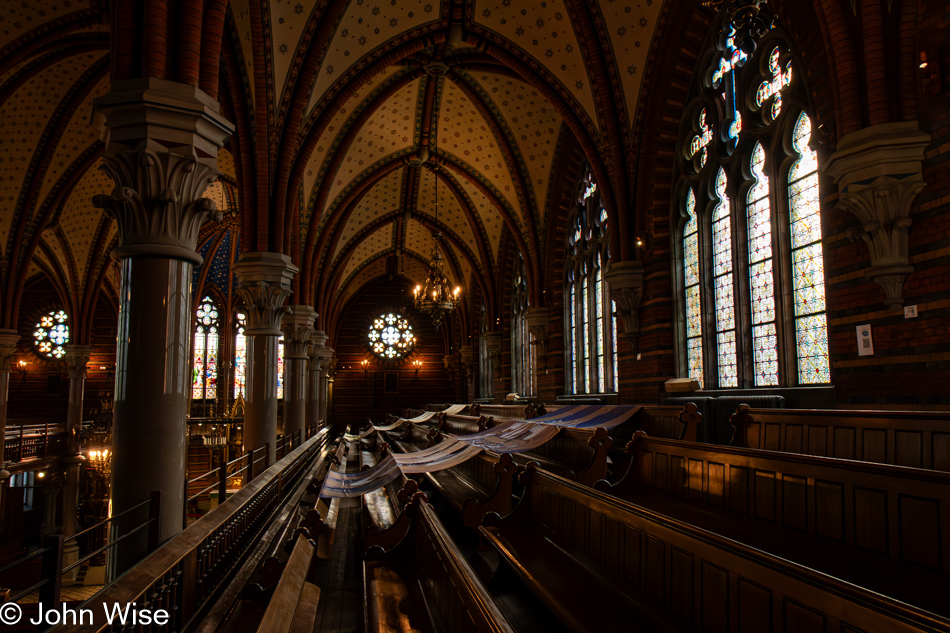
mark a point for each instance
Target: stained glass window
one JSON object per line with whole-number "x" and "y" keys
{"x": 51, "y": 334}
{"x": 390, "y": 336}
{"x": 759, "y": 224}
{"x": 522, "y": 369}
{"x": 240, "y": 356}
{"x": 280, "y": 367}
{"x": 723, "y": 287}
{"x": 694, "y": 313}
{"x": 205, "y": 377}
{"x": 766, "y": 325}
{"x": 772, "y": 87}
{"x": 592, "y": 340}
{"x": 808, "y": 273}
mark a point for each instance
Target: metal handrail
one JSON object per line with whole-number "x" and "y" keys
{"x": 104, "y": 521}
{"x": 30, "y": 590}
{"x": 19, "y": 561}
{"x": 108, "y": 545}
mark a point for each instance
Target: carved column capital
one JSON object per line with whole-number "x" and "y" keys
{"x": 263, "y": 286}
{"x": 467, "y": 356}
{"x": 162, "y": 140}
{"x": 625, "y": 280}
{"x": 879, "y": 172}
{"x": 8, "y": 342}
{"x": 77, "y": 358}
{"x": 318, "y": 341}
{"x": 298, "y": 328}
{"x": 538, "y": 321}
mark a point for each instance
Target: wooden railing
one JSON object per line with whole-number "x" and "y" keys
{"x": 182, "y": 576}
{"x": 33, "y": 441}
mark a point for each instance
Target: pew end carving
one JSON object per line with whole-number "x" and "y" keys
{"x": 691, "y": 419}
{"x": 473, "y": 511}
{"x": 597, "y": 468}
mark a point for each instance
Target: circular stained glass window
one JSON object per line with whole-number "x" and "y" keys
{"x": 51, "y": 334}
{"x": 391, "y": 337}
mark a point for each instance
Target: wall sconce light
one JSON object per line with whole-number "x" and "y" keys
{"x": 417, "y": 365}
{"x": 20, "y": 370}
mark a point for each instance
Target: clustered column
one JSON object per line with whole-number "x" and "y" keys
{"x": 493, "y": 342}
{"x": 298, "y": 328}
{"x": 263, "y": 285}
{"x": 315, "y": 371}
{"x": 467, "y": 354}
{"x": 77, "y": 359}
{"x": 162, "y": 140}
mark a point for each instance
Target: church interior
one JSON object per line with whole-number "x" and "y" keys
{"x": 475, "y": 315}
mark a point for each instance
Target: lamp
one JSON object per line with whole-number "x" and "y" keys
{"x": 435, "y": 296}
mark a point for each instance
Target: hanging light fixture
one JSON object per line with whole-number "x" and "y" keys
{"x": 435, "y": 296}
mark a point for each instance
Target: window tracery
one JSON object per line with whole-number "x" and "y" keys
{"x": 51, "y": 334}
{"x": 591, "y": 314}
{"x": 522, "y": 374}
{"x": 205, "y": 379}
{"x": 749, "y": 224}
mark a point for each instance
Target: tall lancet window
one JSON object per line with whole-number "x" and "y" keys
{"x": 522, "y": 359}
{"x": 811, "y": 328}
{"x": 204, "y": 384}
{"x": 747, "y": 219}
{"x": 240, "y": 356}
{"x": 590, "y": 314}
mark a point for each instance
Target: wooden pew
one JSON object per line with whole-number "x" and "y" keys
{"x": 604, "y": 564}
{"x": 919, "y": 439}
{"x": 293, "y": 607}
{"x": 417, "y": 579}
{"x": 886, "y": 528}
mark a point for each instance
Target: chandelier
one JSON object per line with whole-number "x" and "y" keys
{"x": 435, "y": 296}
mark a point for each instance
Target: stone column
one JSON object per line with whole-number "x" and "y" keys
{"x": 329, "y": 368}
{"x": 625, "y": 281}
{"x": 493, "y": 342}
{"x": 879, "y": 173}
{"x": 77, "y": 358}
{"x": 538, "y": 321}
{"x": 467, "y": 354}
{"x": 162, "y": 140}
{"x": 8, "y": 341}
{"x": 263, "y": 285}
{"x": 298, "y": 327}
{"x": 315, "y": 367}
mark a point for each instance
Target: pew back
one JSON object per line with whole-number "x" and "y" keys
{"x": 902, "y": 513}
{"x": 918, "y": 439}
{"x": 714, "y": 583}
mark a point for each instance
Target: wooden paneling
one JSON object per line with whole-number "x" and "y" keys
{"x": 915, "y": 439}
{"x": 902, "y": 513}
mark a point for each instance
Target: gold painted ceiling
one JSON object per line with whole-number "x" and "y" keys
{"x": 492, "y": 83}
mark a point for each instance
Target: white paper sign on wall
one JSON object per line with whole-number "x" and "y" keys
{"x": 865, "y": 342}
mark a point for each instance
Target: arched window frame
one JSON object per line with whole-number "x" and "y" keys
{"x": 484, "y": 363}
{"x": 770, "y": 98}
{"x": 522, "y": 352}
{"x": 240, "y": 354}
{"x": 590, "y": 315}
{"x": 206, "y": 350}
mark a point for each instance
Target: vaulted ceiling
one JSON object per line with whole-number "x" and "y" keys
{"x": 340, "y": 106}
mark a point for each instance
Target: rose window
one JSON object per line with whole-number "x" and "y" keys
{"x": 391, "y": 337}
